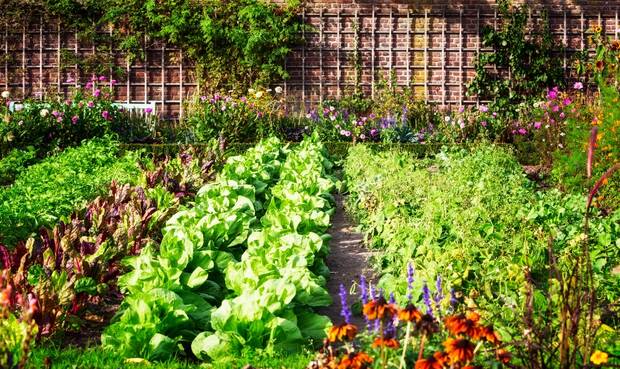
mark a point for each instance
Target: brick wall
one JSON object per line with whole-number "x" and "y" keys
{"x": 429, "y": 45}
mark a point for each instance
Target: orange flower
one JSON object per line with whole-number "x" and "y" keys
{"x": 599, "y": 357}
{"x": 503, "y": 356}
{"x": 342, "y": 332}
{"x": 459, "y": 350}
{"x": 488, "y": 334}
{"x": 437, "y": 361}
{"x": 355, "y": 360}
{"x": 378, "y": 309}
{"x": 409, "y": 314}
{"x": 387, "y": 342}
{"x": 461, "y": 324}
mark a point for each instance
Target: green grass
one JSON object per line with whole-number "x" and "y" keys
{"x": 97, "y": 358}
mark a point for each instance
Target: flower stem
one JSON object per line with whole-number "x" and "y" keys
{"x": 422, "y": 339}
{"x": 407, "y": 337}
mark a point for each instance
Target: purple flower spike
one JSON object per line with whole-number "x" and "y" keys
{"x": 364, "y": 289}
{"x": 427, "y": 299}
{"x": 439, "y": 294}
{"x": 410, "y": 272}
{"x": 392, "y": 299}
{"x": 453, "y": 300}
{"x": 345, "y": 312}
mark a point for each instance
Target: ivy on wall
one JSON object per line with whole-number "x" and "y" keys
{"x": 232, "y": 43}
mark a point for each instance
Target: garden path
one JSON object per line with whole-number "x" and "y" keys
{"x": 348, "y": 258}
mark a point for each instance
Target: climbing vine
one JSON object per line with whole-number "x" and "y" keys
{"x": 522, "y": 64}
{"x": 232, "y": 43}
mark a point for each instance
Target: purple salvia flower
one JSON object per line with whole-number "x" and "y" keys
{"x": 439, "y": 294}
{"x": 410, "y": 272}
{"x": 426, "y": 292}
{"x": 453, "y": 300}
{"x": 345, "y": 312}
{"x": 364, "y": 290}
{"x": 392, "y": 299}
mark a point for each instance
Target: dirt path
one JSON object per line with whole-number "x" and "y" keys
{"x": 348, "y": 258}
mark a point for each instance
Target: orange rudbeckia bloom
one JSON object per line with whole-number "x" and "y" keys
{"x": 461, "y": 324}
{"x": 355, "y": 360}
{"x": 387, "y": 342}
{"x": 342, "y": 332}
{"x": 409, "y": 314}
{"x": 437, "y": 361}
{"x": 459, "y": 350}
{"x": 488, "y": 334}
{"x": 379, "y": 309}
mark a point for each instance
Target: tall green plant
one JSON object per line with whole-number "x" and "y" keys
{"x": 523, "y": 59}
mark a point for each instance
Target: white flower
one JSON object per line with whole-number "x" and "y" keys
{"x": 259, "y": 94}
{"x": 251, "y": 91}
{"x": 6, "y": 94}
{"x": 447, "y": 119}
{"x": 547, "y": 126}
{"x": 44, "y": 113}
{"x": 278, "y": 90}
{"x": 562, "y": 134}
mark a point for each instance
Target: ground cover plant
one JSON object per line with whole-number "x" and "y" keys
{"x": 67, "y": 275}
{"x": 45, "y": 192}
{"x": 179, "y": 291}
{"x": 415, "y": 210}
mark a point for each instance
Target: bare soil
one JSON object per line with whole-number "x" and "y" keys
{"x": 347, "y": 260}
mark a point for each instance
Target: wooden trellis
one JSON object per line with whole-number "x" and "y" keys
{"x": 430, "y": 50}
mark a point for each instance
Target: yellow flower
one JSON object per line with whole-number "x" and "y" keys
{"x": 599, "y": 357}
{"x": 259, "y": 94}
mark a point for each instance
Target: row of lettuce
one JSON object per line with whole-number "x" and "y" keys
{"x": 63, "y": 241}
{"x": 243, "y": 267}
{"x": 475, "y": 220}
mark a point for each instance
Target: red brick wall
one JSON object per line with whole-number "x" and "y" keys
{"x": 429, "y": 45}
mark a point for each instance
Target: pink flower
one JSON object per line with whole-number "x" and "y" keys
{"x": 362, "y": 136}
{"x": 537, "y": 125}
{"x": 113, "y": 82}
{"x": 74, "y": 119}
{"x": 102, "y": 78}
{"x": 55, "y": 114}
{"x": 105, "y": 114}
{"x": 70, "y": 80}
{"x": 483, "y": 108}
{"x": 484, "y": 123}
{"x": 461, "y": 109}
{"x": 552, "y": 94}
{"x": 374, "y": 132}
{"x": 562, "y": 115}
{"x": 89, "y": 85}
{"x": 90, "y": 104}
{"x": 522, "y": 131}
{"x": 578, "y": 86}
{"x": 68, "y": 102}
{"x": 96, "y": 93}
{"x": 555, "y": 108}
{"x": 567, "y": 101}
{"x": 148, "y": 110}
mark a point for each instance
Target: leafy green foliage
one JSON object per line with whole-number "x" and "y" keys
{"x": 196, "y": 288}
{"x": 171, "y": 291}
{"x": 55, "y": 187}
{"x": 67, "y": 266}
{"x": 233, "y": 43}
{"x": 281, "y": 275}
{"x": 475, "y": 220}
{"x": 527, "y": 53}
{"x": 14, "y": 163}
